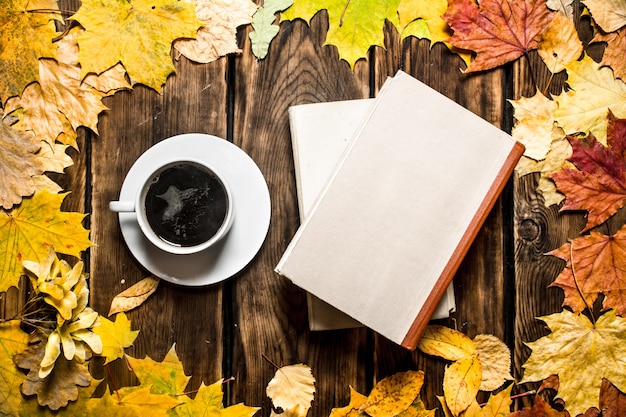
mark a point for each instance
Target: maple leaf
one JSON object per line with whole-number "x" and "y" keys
{"x": 394, "y": 394}
{"x": 30, "y": 229}
{"x": 18, "y": 164}
{"x": 292, "y": 387}
{"x": 132, "y": 402}
{"x": 115, "y": 336}
{"x": 353, "y": 27}
{"x": 352, "y": 409}
{"x": 609, "y": 14}
{"x": 165, "y": 377}
{"x": 577, "y": 344}
{"x": 219, "y": 35}
{"x": 134, "y": 296}
{"x": 263, "y": 28}
{"x": 612, "y": 400}
{"x": 208, "y": 402}
{"x": 498, "y": 31}
{"x": 556, "y": 159}
{"x": 12, "y": 341}
{"x": 593, "y": 92}
{"x": 614, "y": 51}
{"x": 535, "y": 127}
{"x": 598, "y": 185}
{"x": 498, "y": 405}
{"x": 596, "y": 264}
{"x": 137, "y": 33}
{"x": 559, "y": 44}
{"x": 30, "y": 24}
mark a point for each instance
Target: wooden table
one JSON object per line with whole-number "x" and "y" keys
{"x": 231, "y": 328}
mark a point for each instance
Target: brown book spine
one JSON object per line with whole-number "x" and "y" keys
{"x": 419, "y": 324}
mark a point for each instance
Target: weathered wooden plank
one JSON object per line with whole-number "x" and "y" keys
{"x": 193, "y": 100}
{"x": 269, "y": 311}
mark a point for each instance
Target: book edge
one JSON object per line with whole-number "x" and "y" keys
{"x": 415, "y": 331}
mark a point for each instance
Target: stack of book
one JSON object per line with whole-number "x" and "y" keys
{"x": 392, "y": 191}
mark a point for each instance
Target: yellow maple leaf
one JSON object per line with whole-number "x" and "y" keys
{"x": 555, "y": 160}
{"x": 208, "y": 402}
{"x": 219, "y": 35}
{"x": 137, "y": 33}
{"x": 12, "y": 341}
{"x": 499, "y": 405}
{"x": 352, "y": 409}
{"x": 30, "y": 229}
{"x": 115, "y": 335}
{"x": 430, "y": 12}
{"x": 30, "y": 24}
{"x": 165, "y": 377}
{"x": 394, "y": 394}
{"x": 134, "y": 296}
{"x": 132, "y": 402}
{"x": 577, "y": 345}
{"x": 354, "y": 26}
{"x": 535, "y": 125}
{"x": 559, "y": 44}
{"x": 292, "y": 387}
{"x": 18, "y": 165}
{"x": 593, "y": 92}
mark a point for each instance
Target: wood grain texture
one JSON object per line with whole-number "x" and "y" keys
{"x": 269, "y": 312}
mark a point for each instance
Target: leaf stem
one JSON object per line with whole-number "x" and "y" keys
{"x": 113, "y": 382}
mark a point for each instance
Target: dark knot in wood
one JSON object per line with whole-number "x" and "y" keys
{"x": 529, "y": 229}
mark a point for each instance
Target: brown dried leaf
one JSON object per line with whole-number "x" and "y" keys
{"x": 134, "y": 296}
{"x": 60, "y": 386}
{"x": 18, "y": 164}
{"x": 495, "y": 358}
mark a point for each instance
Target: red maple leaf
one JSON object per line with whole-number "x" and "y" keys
{"x": 499, "y": 31}
{"x": 599, "y": 184}
{"x": 596, "y": 264}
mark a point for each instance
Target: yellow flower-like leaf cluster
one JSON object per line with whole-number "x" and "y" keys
{"x": 65, "y": 288}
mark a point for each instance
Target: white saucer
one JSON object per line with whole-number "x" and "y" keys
{"x": 251, "y": 201}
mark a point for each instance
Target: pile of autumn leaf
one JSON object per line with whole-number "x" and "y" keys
{"x": 53, "y": 82}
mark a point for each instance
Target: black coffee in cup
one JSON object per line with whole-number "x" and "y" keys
{"x": 186, "y": 204}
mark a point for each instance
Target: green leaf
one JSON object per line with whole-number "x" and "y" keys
{"x": 263, "y": 26}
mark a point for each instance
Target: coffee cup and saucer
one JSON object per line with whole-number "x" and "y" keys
{"x": 194, "y": 209}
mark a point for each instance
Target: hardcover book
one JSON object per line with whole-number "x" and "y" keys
{"x": 384, "y": 238}
{"x": 320, "y": 133}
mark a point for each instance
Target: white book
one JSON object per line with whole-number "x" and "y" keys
{"x": 320, "y": 133}
{"x": 401, "y": 208}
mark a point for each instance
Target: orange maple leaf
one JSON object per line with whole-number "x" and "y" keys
{"x": 599, "y": 184}
{"x": 596, "y": 264}
{"x": 499, "y": 31}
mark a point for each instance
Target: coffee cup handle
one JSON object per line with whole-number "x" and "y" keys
{"x": 122, "y": 206}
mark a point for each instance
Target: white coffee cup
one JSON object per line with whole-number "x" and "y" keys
{"x": 182, "y": 207}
